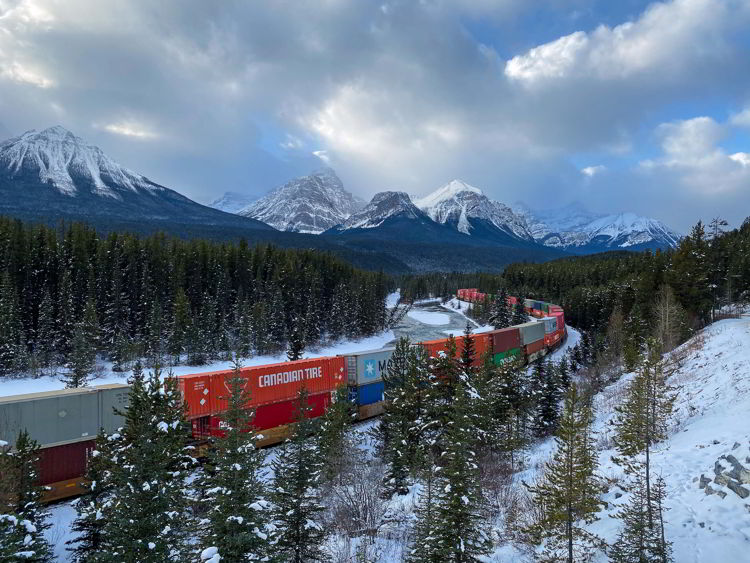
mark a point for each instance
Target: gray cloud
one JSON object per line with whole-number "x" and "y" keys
{"x": 208, "y": 97}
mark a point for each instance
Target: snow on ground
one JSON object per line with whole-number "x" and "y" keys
{"x": 712, "y": 382}
{"x": 392, "y": 299}
{"x": 428, "y": 317}
{"x": 462, "y": 307}
{"x": 16, "y": 386}
{"x": 62, "y": 515}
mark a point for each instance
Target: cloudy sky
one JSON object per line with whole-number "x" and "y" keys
{"x": 626, "y": 105}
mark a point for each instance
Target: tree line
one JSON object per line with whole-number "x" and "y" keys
{"x": 69, "y": 294}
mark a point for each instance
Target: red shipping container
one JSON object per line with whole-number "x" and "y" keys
{"x": 533, "y": 347}
{"x": 68, "y": 461}
{"x": 482, "y": 344}
{"x": 267, "y": 384}
{"x": 512, "y": 300}
{"x": 560, "y": 316}
{"x": 505, "y": 339}
{"x": 277, "y": 414}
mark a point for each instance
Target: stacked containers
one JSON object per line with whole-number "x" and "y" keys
{"x": 365, "y": 372}
{"x": 532, "y": 338}
{"x": 528, "y": 304}
{"x": 482, "y": 344}
{"x": 506, "y": 345}
{"x": 273, "y": 391}
{"x": 512, "y": 300}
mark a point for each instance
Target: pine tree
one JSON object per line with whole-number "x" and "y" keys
{"x": 296, "y": 339}
{"x": 569, "y": 490}
{"x": 45, "y": 338}
{"x": 519, "y": 314}
{"x": 423, "y": 547}
{"x": 81, "y": 361}
{"x": 10, "y": 326}
{"x": 180, "y": 328}
{"x": 237, "y": 511}
{"x": 467, "y": 352}
{"x": 547, "y": 403}
{"x": 459, "y": 522}
{"x": 501, "y": 315}
{"x": 89, "y": 523}
{"x": 333, "y": 433}
{"x": 641, "y": 421}
{"x": 23, "y": 518}
{"x": 297, "y": 509}
{"x": 145, "y": 521}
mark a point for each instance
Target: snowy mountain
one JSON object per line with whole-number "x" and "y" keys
{"x": 576, "y": 229}
{"x": 383, "y": 206}
{"x": 468, "y": 210}
{"x": 310, "y": 204}
{"x": 232, "y": 202}
{"x": 53, "y": 174}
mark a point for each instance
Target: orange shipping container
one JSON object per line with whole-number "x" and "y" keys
{"x": 482, "y": 344}
{"x": 267, "y": 384}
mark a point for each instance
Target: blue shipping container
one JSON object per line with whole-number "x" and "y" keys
{"x": 369, "y": 394}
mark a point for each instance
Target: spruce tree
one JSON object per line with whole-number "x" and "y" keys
{"x": 501, "y": 314}
{"x": 296, "y": 339}
{"x": 333, "y": 433}
{"x": 145, "y": 521}
{"x": 519, "y": 314}
{"x": 237, "y": 512}
{"x": 23, "y": 518}
{"x": 467, "y": 352}
{"x": 547, "y": 403}
{"x": 89, "y": 523}
{"x": 459, "y": 521}
{"x": 423, "y": 547}
{"x": 297, "y": 509}
{"x": 81, "y": 362}
{"x": 568, "y": 493}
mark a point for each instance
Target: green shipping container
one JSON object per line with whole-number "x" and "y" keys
{"x": 545, "y": 307}
{"x": 507, "y": 356}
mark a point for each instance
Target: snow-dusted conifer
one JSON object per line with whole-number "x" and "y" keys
{"x": 501, "y": 313}
{"x": 297, "y": 508}
{"x": 333, "y": 434}
{"x": 237, "y": 521}
{"x": 519, "y": 314}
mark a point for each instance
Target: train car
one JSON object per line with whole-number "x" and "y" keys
{"x": 506, "y": 345}
{"x": 65, "y": 423}
{"x": 273, "y": 390}
{"x": 482, "y": 345}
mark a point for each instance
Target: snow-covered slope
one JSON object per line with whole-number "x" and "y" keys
{"x": 232, "y": 202}
{"x": 53, "y": 174}
{"x": 310, "y": 204}
{"x": 383, "y": 206}
{"x": 69, "y": 164}
{"x": 577, "y": 229}
{"x": 468, "y": 210}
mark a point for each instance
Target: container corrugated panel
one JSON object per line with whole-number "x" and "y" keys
{"x": 482, "y": 344}
{"x": 512, "y": 300}
{"x": 528, "y": 303}
{"x": 54, "y": 417}
{"x": 113, "y": 397}
{"x": 277, "y": 414}
{"x": 531, "y": 332}
{"x": 534, "y": 347}
{"x": 505, "y": 339}
{"x": 58, "y": 463}
{"x": 196, "y": 392}
{"x": 559, "y": 319}
{"x": 370, "y": 366}
{"x": 507, "y": 356}
{"x": 369, "y": 394}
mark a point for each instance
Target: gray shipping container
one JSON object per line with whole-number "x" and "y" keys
{"x": 368, "y": 367}
{"x": 550, "y": 324}
{"x": 62, "y": 417}
{"x": 528, "y": 303}
{"x": 531, "y": 332}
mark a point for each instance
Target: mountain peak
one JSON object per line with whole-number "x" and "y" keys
{"x": 383, "y": 206}
{"x": 308, "y": 204}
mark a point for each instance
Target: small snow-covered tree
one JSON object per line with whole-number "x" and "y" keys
{"x": 501, "y": 313}
{"x": 81, "y": 361}
{"x": 519, "y": 314}
{"x": 333, "y": 433}
{"x": 297, "y": 507}
{"x": 296, "y": 339}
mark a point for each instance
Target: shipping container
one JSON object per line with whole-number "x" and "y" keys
{"x": 505, "y": 339}
{"x": 276, "y": 414}
{"x": 370, "y": 393}
{"x": 512, "y": 300}
{"x": 559, "y": 319}
{"x": 531, "y": 332}
{"x": 550, "y": 325}
{"x": 267, "y": 384}
{"x": 368, "y": 367}
{"x": 534, "y": 347}
{"x": 536, "y": 355}
{"x": 545, "y": 307}
{"x": 68, "y": 461}
{"x": 64, "y": 416}
{"x": 528, "y": 304}
{"x": 507, "y": 356}
{"x": 482, "y": 345}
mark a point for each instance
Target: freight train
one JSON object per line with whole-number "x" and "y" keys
{"x": 66, "y": 422}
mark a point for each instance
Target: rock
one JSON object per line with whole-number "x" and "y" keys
{"x": 739, "y": 472}
{"x": 708, "y": 490}
{"x": 618, "y": 495}
{"x": 703, "y": 482}
{"x": 721, "y": 479}
{"x": 702, "y": 524}
{"x": 718, "y": 468}
{"x": 695, "y": 479}
{"x": 741, "y": 491}
{"x": 715, "y": 442}
{"x": 722, "y": 494}
{"x": 736, "y": 445}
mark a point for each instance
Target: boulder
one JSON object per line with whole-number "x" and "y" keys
{"x": 703, "y": 482}
{"x": 721, "y": 479}
{"x": 741, "y": 491}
